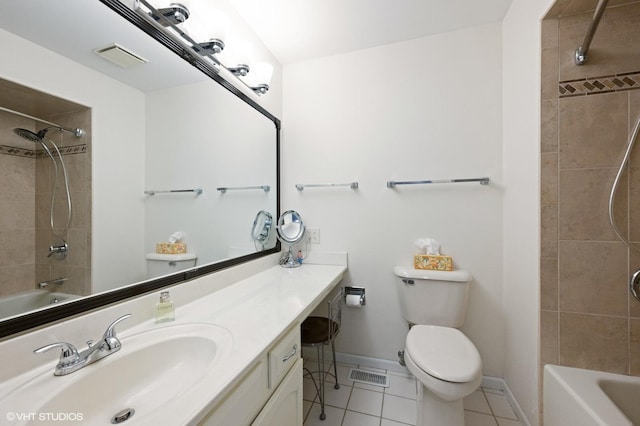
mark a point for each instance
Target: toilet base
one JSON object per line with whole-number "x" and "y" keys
{"x": 434, "y": 411}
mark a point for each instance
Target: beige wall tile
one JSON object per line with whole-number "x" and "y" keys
{"x": 594, "y": 342}
{"x": 17, "y": 174}
{"x": 634, "y": 203}
{"x": 584, "y": 198}
{"x": 549, "y": 353}
{"x": 17, "y": 210}
{"x": 549, "y": 133}
{"x": 549, "y": 82}
{"x": 593, "y": 278}
{"x": 78, "y": 279}
{"x": 16, "y": 279}
{"x": 18, "y": 247}
{"x": 613, "y": 49}
{"x": 549, "y": 33}
{"x": 549, "y": 231}
{"x": 591, "y": 129}
{"x": 634, "y": 347}
{"x": 634, "y": 117}
{"x": 549, "y": 179}
{"x": 634, "y": 265}
{"x": 549, "y": 284}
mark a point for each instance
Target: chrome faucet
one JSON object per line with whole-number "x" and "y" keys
{"x": 71, "y": 360}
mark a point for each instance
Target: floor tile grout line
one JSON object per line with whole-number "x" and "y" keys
{"x": 489, "y": 404}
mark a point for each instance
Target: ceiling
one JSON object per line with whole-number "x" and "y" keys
{"x": 298, "y": 30}
{"x": 293, "y": 30}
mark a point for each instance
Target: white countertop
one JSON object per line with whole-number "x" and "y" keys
{"x": 256, "y": 311}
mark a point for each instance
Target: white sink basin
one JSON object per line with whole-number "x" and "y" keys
{"x": 574, "y": 396}
{"x": 151, "y": 374}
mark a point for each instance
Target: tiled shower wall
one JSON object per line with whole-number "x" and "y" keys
{"x": 588, "y": 317}
{"x": 26, "y": 176}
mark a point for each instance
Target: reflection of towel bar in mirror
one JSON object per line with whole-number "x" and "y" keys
{"x": 300, "y": 187}
{"x": 198, "y": 191}
{"x": 393, "y": 184}
{"x": 223, "y": 189}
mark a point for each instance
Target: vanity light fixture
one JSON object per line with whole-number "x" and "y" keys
{"x": 261, "y": 89}
{"x": 210, "y": 25}
{"x": 212, "y": 47}
{"x": 262, "y": 72}
{"x": 241, "y": 54}
{"x": 241, "y": 70}
{"x": 176, "y": 13}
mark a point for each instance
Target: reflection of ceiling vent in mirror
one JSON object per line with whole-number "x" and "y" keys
{"x": 120, "y": 56}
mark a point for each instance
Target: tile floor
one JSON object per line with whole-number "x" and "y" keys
{"x": 359, "y": 404}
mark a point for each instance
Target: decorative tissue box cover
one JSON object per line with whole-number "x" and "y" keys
{"x": 433, "y": 262}
{"x": 171, "y": 248}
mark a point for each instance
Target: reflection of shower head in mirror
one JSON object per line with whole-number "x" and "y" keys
{"x": 39, "y": 138}
{"x": 290, "y": 230}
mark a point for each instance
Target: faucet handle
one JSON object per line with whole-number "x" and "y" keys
{"x": 69, "y": 353}
{"x": 110, "y": 338}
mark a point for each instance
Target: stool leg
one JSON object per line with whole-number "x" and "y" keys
{"x": 321, "y": 380}
{"x": 335, "y": 367}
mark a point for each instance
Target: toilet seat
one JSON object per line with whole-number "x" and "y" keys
{"x": 444, "y": 353}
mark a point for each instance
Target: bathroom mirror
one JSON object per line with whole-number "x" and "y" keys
{"x": 290, "y": 231}
{"x": 156, "y": 134}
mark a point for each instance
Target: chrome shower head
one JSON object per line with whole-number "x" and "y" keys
{"x": 38, "y": 137}
{"x": 29, "y": 135}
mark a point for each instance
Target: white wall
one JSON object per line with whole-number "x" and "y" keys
{"x": 423, "y": 109}
{"x": 521, "y": 159}
{"x": 117, "y": 152}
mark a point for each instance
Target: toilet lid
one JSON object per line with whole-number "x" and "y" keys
{"x": 444, "y": 353}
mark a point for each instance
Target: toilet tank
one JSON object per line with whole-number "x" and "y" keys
{"x": 433, "y": 297}
{"x": 165, "y": 264}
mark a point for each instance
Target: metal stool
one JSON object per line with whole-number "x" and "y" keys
{"x": 317, "y": 332}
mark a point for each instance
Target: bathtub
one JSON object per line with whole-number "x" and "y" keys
{"x": 574, "y": 396}
{"x": 20, "y": 303}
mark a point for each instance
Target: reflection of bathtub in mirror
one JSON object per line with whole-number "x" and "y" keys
{"x": 17, "y": 304}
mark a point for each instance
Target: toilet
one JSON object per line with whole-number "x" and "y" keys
{"x": 159, "y": 264}
{"x": 440, "y": 356}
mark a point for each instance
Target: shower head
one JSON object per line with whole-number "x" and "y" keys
{"x": 37, "y": 137}
{"x": 29, "y": 135}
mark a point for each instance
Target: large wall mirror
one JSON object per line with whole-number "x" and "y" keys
{"x": 168, "y": 151}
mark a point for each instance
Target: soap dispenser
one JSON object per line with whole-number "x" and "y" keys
{"x": 165, "y": 309}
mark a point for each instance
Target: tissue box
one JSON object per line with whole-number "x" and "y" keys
{"x": 171, "y": 248}
{"x": 433, "y": 262}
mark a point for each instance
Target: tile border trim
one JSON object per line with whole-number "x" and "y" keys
{"x": 38, "y": 153}
{"x": 598, "y": 85}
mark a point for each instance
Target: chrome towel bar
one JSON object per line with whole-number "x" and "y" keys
{"x": 393, "y": 184}
{"x": 198, "y": 191}
{"x": 223, "y": 189}
{"x": 300, "y": 187}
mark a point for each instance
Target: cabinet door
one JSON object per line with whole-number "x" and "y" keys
{"x": 243, "y": 402}
{"x": 284, "y": 408}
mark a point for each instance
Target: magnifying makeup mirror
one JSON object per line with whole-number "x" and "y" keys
{"x": 261, "y": 231}
{"x": 290, "y": 230}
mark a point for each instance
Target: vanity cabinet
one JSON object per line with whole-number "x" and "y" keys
{"x": 284, "y": 408}
{"x": 270, "y": 394}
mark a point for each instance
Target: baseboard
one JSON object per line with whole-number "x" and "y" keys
{"x": 499, "y": 384}
{"x": 394, "y": 366}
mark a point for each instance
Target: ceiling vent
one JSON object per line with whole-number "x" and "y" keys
{"x": 120, "y": 56}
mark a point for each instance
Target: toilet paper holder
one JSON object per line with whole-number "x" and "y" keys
{"x": 355, "y": 291}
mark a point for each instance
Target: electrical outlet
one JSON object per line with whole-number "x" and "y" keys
{"x": 313, "y": 235}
